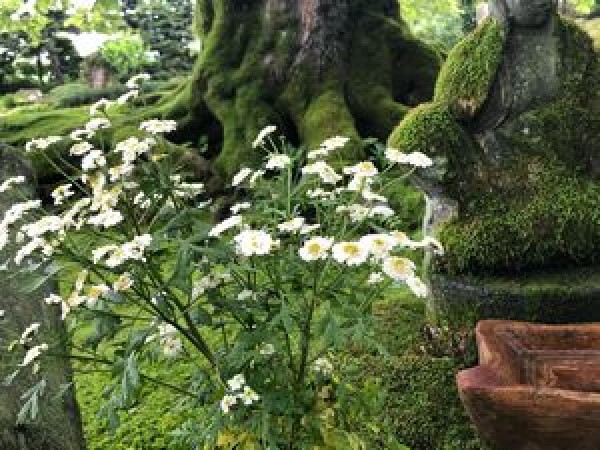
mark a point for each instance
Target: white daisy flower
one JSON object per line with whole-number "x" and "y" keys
{"x": 315, "y": 248}
{"x": 398, "y": 268}
{"x": 350, "y": 253}
{"x": 254, "y": 242}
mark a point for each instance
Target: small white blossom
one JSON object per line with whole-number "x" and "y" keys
{"x": 291, "y": 226}
{"x": 231, "y": 222}
{"x": 350, "y": 253}
{"x": 106, "y": 219}
{"x": 123, "y": 283}
{"x": 241, "y": 176}
{"x": 123, "y": 99}
{"x": 262, "y": 135}
{"x": 379, "y": 245}
{"x": 131, "y": 148}
{"x": 156, "y": 126}
{"x": 417, "y": 286}
{"x": 323, "y": 366}
{"x": 381, "y": 210}
{"x": 248, "y": 396}
{"x": 398, "y": 268}
{"x": 61, "y": 193}
{"x": 307, "y": 229}
{"x": 237, "y": 383}
{"x": 42, "y": 143}
{"x": 101, "y": 106}
{"x": 10, "y": 182}
{"x": 228, "y": 402}
{"x": 416, "y": 159}
{"x": 238, "y": 207}
{"x": 96, "y": 124}
{"x": 93, "y": 160}
{"x": 254, "y": 242}
{"x": 78, "y": 135}
{"x": 315, "y": 248}
{"x": 320, "y": 193}
{"x": 136, "y": 80}
{"x": 33, "y": 353}
{"x": 278, "y": 161}
{"x": 365, "y": 169}
{"x": 323, "y": 170}
{"x": 80, "y": 148}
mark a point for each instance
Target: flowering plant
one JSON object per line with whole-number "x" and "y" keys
{"x": 260, "y": 303}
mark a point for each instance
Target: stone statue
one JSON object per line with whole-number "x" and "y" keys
{"x": 513, "y": 130}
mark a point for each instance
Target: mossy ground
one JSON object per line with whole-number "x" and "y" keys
{"x": 421, "y": 407}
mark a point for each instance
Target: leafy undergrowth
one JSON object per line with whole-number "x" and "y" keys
{"x": 419, "y": 405}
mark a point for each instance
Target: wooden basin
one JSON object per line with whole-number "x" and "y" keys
{"x": 537, "y": 387}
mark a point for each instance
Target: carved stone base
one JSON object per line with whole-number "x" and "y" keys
{"x": 558, "y": 297}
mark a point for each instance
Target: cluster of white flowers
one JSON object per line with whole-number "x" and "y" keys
{"x": 131, "y": 148}
{"x": 292, "y": 226}
{"x": 239, "y": 391}
{"x": 328, "y": 146}
{"x": 325, "y": 172}
{"x": 247, "y": 174}
{"x": 41, "y": 143}
{"x": 374, "y": 248}
{"x": 358, "y": 212}
{"x": 116, "y": 255}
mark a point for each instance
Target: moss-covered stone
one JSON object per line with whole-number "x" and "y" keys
{"x": 534, "y": 206}
{"x": 552, "y": 296}
{"x": 469, "y": 71}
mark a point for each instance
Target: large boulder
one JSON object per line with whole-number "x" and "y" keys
{"x": 58, "y": 426}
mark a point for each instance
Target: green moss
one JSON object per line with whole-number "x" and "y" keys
{"x": 556, "y": 223}
{"x": 469, "y": 71}
{"x": 564, "y": 295}
{"x": 431, "y": 129}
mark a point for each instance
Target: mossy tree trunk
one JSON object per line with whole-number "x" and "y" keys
{"x": 315, "y": 68}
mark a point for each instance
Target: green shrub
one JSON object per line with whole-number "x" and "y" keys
{"x": 126, "y": 55}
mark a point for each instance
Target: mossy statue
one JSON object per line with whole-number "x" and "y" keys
{"x": 514, "y": 191}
